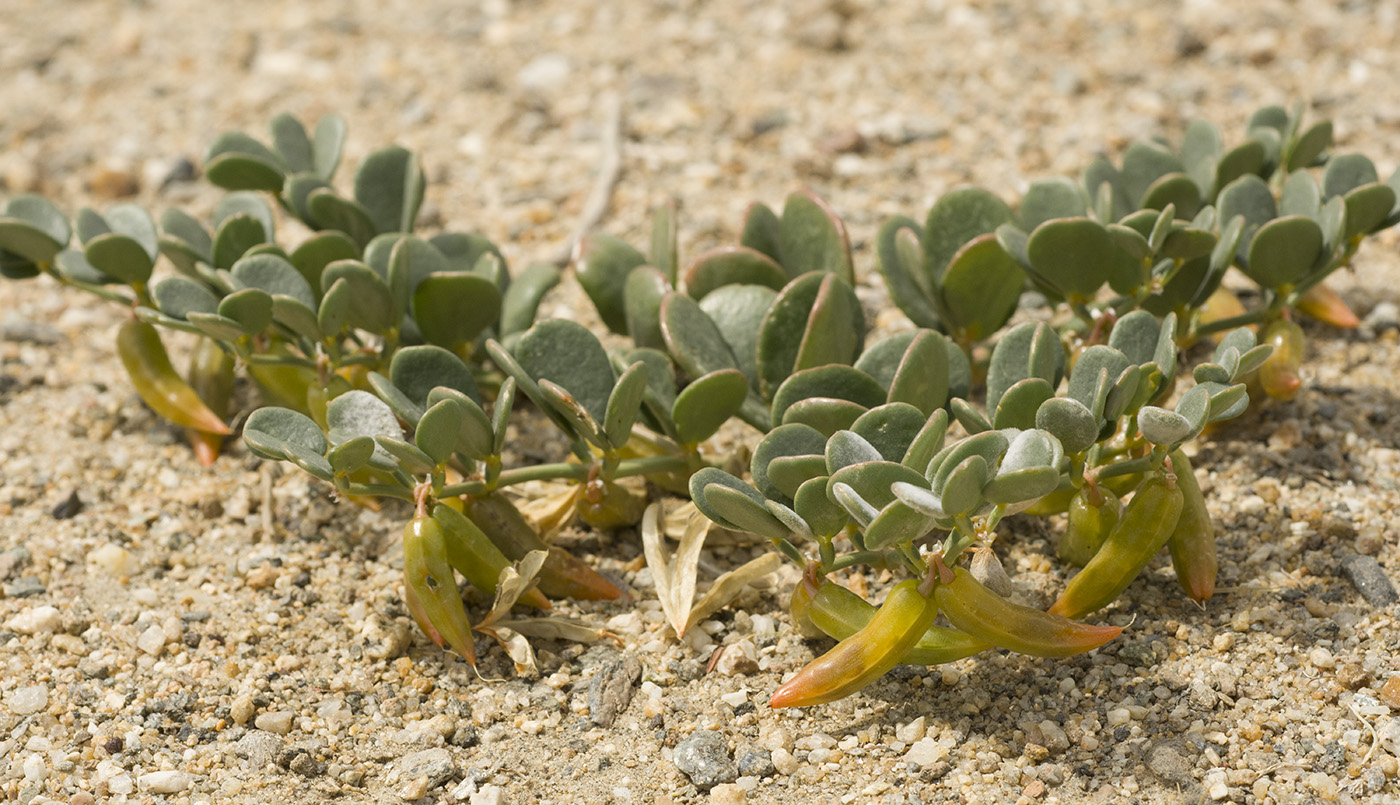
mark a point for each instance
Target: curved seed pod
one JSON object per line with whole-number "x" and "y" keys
{"x": 1326, "y": 305}
{"x": 800, "y": 604}
{"x": 211, "y": 376}
{"x": 474, "y": 556}
{"x": 1279, "y": 374}
{"x": 563, "y": 575}
{"x": 1146, "y": 524}
{"x": 1192, "y": 543}
{"x": 840, "y": 613}
{"x": 1056, "y": 502}
{"x": 157, "y": 382}
{"x": 1093, "y": 512}
{"x": 985, "y": 615}
{"x": 866, "y": 655}
{"x": 429, "y": 579}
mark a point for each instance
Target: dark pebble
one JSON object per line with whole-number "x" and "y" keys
{"x": 1366, "y": 575}
{"x": 113, "y": 746}
{"x": 68, "y": 507}
{"x": 757, "y": 763}
{"x": 610, "y": 690}
{"x": 705, "y": 760}
{"x": 25, "y": 587}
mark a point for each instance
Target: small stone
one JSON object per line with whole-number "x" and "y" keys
{"x": 738, "y": 659}
{"x": 911, "y": 732}
{"x": 925, "y": 752}
{"x": 259, "y": 749}
{"x": 610, "y": 690}
{"x": 68, "y": 507}
{"x": 544, "y": 72}
{"x": 36, "y": 620}
{"x": 1353, "y": 677}
{"x": 1390, "y": 692}
{"x": 784, "y": 761}
{"x": 728, "y": 794}
{"x": 386, "y": 639}
{"x": 114, "y": 181}
{"x": 279, "y": 721}
{"x": 242, "y": 709}
{"x": 1322, "y": 658}
{"x": 152, "y": 641}
{"x": 261, "y": 577}
{"x": 773, "y": 738}
{"x": 26, "y": 587}
{"x": 705, "y": 760}
{"x": 757, "y": 763}
{"x": 1370, "y": 580}
{"x": 433, "y": 766}
{"x": 1384, "y": 316}
{"x": 28, "y": 700}
{"x": 114, "y": 560}
{"x": 165, "y": 782}
{"x": 489, "y": 795}
{"x": 1171, "y": 761}
{"x": 82, "y": 798}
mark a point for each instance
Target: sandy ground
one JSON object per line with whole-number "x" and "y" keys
{"x": 229, "y": 635}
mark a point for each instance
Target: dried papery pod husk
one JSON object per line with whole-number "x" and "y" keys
{"x": 563, "y": 575}
{"x": 602, "y": 264}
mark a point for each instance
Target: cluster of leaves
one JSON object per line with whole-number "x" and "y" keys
{"x": 390, "y": 364}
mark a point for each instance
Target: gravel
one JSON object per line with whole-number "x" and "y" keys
{"x": 249, "y": 589}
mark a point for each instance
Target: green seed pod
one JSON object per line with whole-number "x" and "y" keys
{"x": 1092, "y": 515}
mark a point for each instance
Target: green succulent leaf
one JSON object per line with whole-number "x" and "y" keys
{"x": 784, "y": 442}
{"x": 1070, "y": 421}
{"x": 955, "y": 219}
{"x": 1163, "y": 427}
{"x": 845, "y": 448}
{"x": 327, "y": 141}
{"x": 1301, "y": 195}
{"x": 641, "y": 299}
{"x": 1107, "y": 191}
{"x": 234, "y": 236}
{"x": 1284, "y": 250}
{"x": 236, "y": 161}
{"x": 1019, "y": 406}
{"x": 826, "y": 414}
{"x": 452, "y": 309}
{"x": 269, "y": 429}
{"x": 1144, "y": 163}
{"x": 761, "y": 230}
{"x": 331, "y": 212}
{"x": 570, "y": 355}
{"x": 1075, "y": 256}
{"x": 1346, "y": 172}
{"x": 707, "y": 403}
{"x": 738, "y": 312}
{"x": 786, "y": 474}
{"x": 120, "y": 257}
{"x": 707, "y": 477}
{"x": 835, "y": 327}
{"x": 871, "y": 480}
{"x": 961, "y": 491}
{"x": 896, "y": 523}
{"x": 521, "y": 301}
{"x": 967, "y": 415}
{"x": 351, "y": 455}
{"x": 417, "y": 370}
{"x": 1032, "y": 349}
{"x": 980, "y": 287}
{"x": 624, "y": 405}
{"x": 354, "y": 296}
{"x": 1201, "y": 147}
{"x": 890, "y": 428}
{"x": 822, "y": 514}
{"x": 812, "y": 238}
{"x": 438, "y": 429}
{"x": 835, "y": 381}
{"x": 1247, "y": 196}
{"x": 318, "y": 251}
{"x": 358, "y": 413}
{"x": 602, "y": 264}
{"x": 475, "y": 437}
{"x": 274, "y": 275}
{"x": 902, "y": 263}
{"x": 179, "y": 296}
{"x": 692, "y": 337}
{"x": 927, "y": 442}
{"x": 1047, "y": 199}
{"x": 250, "y": 307}
{"x": 407, "y": 456}
{"x": 732, "y": 265}
{"x": 389, "y": 185}
{"x": 1309, "y": 146}
{"x": 1367, "y": 208}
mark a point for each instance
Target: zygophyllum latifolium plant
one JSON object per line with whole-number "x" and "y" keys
{"x": 780, "y": 309}
{"x": 1156, "y": 233}
{"x": 307, "y": 322}
{"x": 890, "y": 491}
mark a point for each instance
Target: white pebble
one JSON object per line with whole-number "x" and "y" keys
{"x": 166, "y": 782}
{"x": 1119, "y": 716}
{"x": 489, "y": 795}
{"x": 1321, "y": 658}
{"x": 145, "y": 596}
{"x": 925, "y": 752}
{"x": 36, "y": 620}
{"x": 817, "y": 740}
{"x": 913, "y": 731}
{"x": 152, "y": 641}
{"x": 783, "y": 761}
{"x": 28, "y": 700}
{"x": 35, "y": 769}
{"x": 279, "y": 722}
{"x": 736, "y": 698}
{"x": 114, "y": 560}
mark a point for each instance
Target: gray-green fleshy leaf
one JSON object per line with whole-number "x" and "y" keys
{"x": 713, "y": 476}
{"x": 927, "y": 442}
{"x": 179, "y": 296}
{"x": 845, "y": 448}
{"x": 784, "y": 441}
{"x": 475, "y": 437}
{"x": 1301, "y": 195}
{"x": 234, "y": 237}
{"x": 761, "y": 230}
{"x": 812, "y": 238}
{"x": 692, "y": 337}
{"x": 359, "y": 413}
{"x": 871, "y": 480}
{"x": 956, "y": 218}
{"x": 961, "y": 492}
{"x": 1032, "y": 349}
{"x": 452, "y": 309}
{"x": 897, "y": 523}
{"x": 326, "y": 143}
{"x": 1075, "y": 256}
{"x": 1346, "y": 172}
{"x": 980, "y": 287}
{"x": 624, "y": 404}
{"x": 521, "y": 301}
{"x": 835, "y": 327}
{"x": 351, "y": 455}
{"x": 902, "y": 263}
{"x": 250, "y": 307}
{"x": 319, "y": 251}
{"x": 274, "y": 275}
{"x": 410, "y": 411}
{"x": 417, "y": 370}
{"x": 437, "y": 430}
{"x": 1284, "y": 250}
{"x": 270, "y": 427}
{"x": 236, "y": 161}
{"x": 120, "y": 257}
{"x": 1018, "y": 407}
{"x": 822, "y": 514}
{"x": 1162, "y": 427}
{"x": 354, "y": 296}
{"x": 1069, "y": 421}
{"x": 732, "y": 265}
{"x": 601, "y": 264}
{"x": 1046, "y": 199}
{"x": 738, "y": 311}
{"x": 389, "y": 185}
{"x": 1248, "y": 196}
{"x": 406, "y": 455}
{"x": 331, "y": 212}
{"x": 568, "y": 354}
{"x": 967, "y": 415}
{"x": 834, "y": 380}
{"x": 890, "y": 428}
{"x": 826, "y": 414}
{"x": 291, "y": 143}
{"x": 1310, "y": 145}
{"x": 642, "y": 293}
{"x": 707, "y": 403}
{"x": 786, "y": 474}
